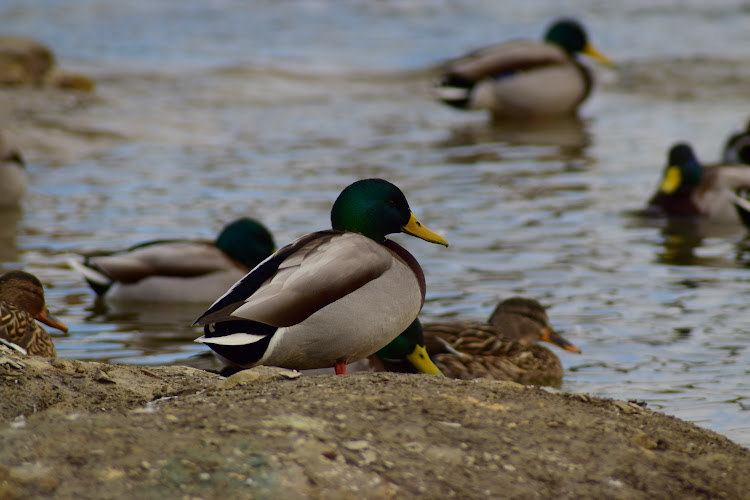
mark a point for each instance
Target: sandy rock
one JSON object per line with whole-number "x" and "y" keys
{"x": 177, "y": 432}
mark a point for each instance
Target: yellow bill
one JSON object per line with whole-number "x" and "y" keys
{"x": 671, "y": 181}
{"x": 422, "y": 362}
{"x": 415, "y": 228}
{"x": 594, "y": 53}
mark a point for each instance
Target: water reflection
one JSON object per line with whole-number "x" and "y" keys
{"x": 570, "y": 134}
{"x": 9, "y": 220}
{"x": 145, "y": 329}
{"x": 688, "y": 241}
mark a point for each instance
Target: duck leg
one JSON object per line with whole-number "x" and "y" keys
{"x": 340, "y": 368}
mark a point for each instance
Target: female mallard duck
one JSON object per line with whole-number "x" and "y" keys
{"x": 524, "y": 78}
{"x": 688, "y": 188}
{"x": 21, "y": 302}
{"x": 178, "y": 270}
{"x": 13, "y": 177}
{"x": 737, "y": 147}
{"x": 503, "y": 349}
{"x": 331, "y": 297}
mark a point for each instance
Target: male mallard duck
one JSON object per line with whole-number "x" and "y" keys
{"x": 408, "y": 347}
{"x": 503, "y": 349}
{"x": 688, "y": 188}
{"x": 178, "y": 270}
{"x": 331, "y": 297}
{"x": 737, "y": 147}
{"x": 13, "y": 177}
{"x": 21, "y": 302}
{"x": 524, "y": 78}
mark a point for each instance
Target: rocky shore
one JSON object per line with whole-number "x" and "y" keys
{"x": 73, "y": 429}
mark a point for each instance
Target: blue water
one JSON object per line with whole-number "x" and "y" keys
{"x": 207, "y": 111}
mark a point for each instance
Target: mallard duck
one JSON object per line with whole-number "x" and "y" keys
{"x": 524, "y": 78}
{"x": 737, "y": 147}
{"x": 408, "y": 347}
{"x": 14, "y": 179}
{"x": 331, "y": 297}
{"x": 688, "y": 188}
{"x": 178, "y": 270}
{"x": 22, "y": 302}
{"x": 503, "y": 349}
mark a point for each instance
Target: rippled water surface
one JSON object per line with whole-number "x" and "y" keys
{"x": 207, "y": 111}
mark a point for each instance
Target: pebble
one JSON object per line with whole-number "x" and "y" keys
{"x": 356, "y": 445}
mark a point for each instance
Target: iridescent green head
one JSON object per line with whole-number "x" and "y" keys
{"x": 570, "y": 35}
{"x": 247, "y": 241}
{"x": 683, "y": 169}
{"x": 376, "y": 208}
{"x": 409, "y": 346}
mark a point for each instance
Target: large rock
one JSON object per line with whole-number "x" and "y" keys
{"x": 73, "y": 429}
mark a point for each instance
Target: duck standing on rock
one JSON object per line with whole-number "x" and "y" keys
{"x": 503, "y": 349}
{"x": 524, "y": 79}
{"x": 22, "y": 302}
{"x": 331, "y": 297}
{"x": 688, "y": 188}
{"x": 178, "y": 270}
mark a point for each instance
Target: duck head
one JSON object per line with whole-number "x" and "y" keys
{"x": 682, "y": 170}
{"x": 24, "y": 291}
{"x": 246, "y": 241}
{"x": 570, "y": 35}
{"x": 526, "y": 321}
{"x": 376, "y": 208}
{"x": 409, "y": 346}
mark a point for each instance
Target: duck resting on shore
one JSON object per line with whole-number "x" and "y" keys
{"x": 21, "y": 306}
{"x": 503, "y": 349}
{"x": 331, "y": 297}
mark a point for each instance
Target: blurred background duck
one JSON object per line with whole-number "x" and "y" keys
{"x": 21, "y": 303}
{"x": 524, "y": 79}
{"x": 737, "y": 147}
{"x": 14, "y": 179}
{"x": 331, "y": 297}
{"x": 688, "y": 188}
{"x": 178, "y": 270}
{"x": 503, "y": 349}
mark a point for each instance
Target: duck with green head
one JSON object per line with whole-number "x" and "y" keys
{"x": 331, "y": 297}
{"x": 503, "y": 349}
{"x": 524, "y": 79}
{"x": 178, "y": 270}
{"x": 688, "y": 188}
{"x": 21, "y": 306}
{"x": 408, "y": 347}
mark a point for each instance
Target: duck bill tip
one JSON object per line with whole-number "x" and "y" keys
{"x": 51, "y": 321}
{"x": 551, "y": 336}
{"x": 597, "y": 55}
{"x": 415, "y": 228}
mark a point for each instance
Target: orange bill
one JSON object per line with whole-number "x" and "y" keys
{"x": 553, "y": 337}
{"x": 45, "y": 317}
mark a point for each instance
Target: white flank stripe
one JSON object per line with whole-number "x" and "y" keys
{"x": 451, "y": 93}
{"x": 233, "y": 339}
{"x": 89, "y": 273}
{"x": 741, "y": 202}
